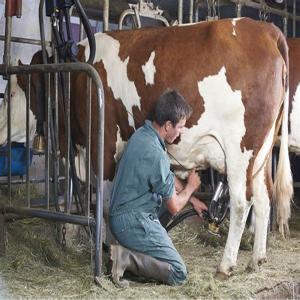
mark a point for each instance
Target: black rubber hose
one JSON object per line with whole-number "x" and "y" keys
{"x": 183, "y": 215}
{"x": 88, "y": 30}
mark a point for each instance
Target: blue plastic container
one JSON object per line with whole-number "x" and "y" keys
{"x": 18, "y": 159}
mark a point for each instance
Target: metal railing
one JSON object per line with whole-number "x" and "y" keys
{"x": 66, "y": 216}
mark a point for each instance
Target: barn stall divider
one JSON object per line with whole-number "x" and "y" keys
{"x": 94, "y": 223}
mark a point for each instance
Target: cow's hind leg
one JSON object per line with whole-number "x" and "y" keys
{"x": 239, "y": 209}
{"x": 261, "y": 209}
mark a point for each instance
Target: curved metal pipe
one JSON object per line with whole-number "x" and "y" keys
{"x": 87, "y": 28}
{"x": 81, "y": 67}
{"x": 123, "y": 15}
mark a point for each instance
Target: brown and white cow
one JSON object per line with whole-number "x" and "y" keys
{"x": 233, "y": 73}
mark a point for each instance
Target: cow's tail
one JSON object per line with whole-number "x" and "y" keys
{"x": 283, "y": 186}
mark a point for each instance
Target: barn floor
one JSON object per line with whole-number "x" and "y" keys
{"x": 35, "y": 267}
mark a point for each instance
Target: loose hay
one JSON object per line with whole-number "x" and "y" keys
{"x": 37, "y": 266}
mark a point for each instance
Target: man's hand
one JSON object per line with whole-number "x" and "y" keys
{"x": 181, "y": 194}
{"x": 198, "y": 205}
{"x": 193, "y": 180}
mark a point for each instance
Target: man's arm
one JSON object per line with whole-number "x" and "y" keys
{"x": 180, "y": 197}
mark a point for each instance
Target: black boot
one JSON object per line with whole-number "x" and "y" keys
{"x": 137, "y": 263}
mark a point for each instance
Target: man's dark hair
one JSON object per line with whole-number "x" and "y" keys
{"x": 171, "y": 106}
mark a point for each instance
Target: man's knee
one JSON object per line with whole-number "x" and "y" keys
{"x": 178, "y": 274}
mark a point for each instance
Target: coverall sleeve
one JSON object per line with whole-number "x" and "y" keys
{"x": 162, "y": 179}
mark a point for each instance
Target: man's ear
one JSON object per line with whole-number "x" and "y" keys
{"x": 168, "y": 124}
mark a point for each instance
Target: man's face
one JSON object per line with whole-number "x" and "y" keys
{"x": 172, "y": 132}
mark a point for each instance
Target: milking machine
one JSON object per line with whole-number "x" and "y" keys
{"x": 216, "y": 213}
{"x": 59, "y": 12}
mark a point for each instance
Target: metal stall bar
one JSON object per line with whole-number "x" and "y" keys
{"x": 106, "y": 15}
{"x": 285, "y": 20}
{"x": 6, "y": 62}
{"x": 100, "y": 179}
{"x": 36, "y": 180}
{"x": 260, "y": 6}
{"x": 9, "y": 135}
{"x": 180, "y": 11}
{"x": 27, "y": 141}
{"x": 25, "y": 40}
{"x": 191, "y": 11}
{"x": 239, "y": 7}
{"x": 68, "y": 134}
{"x": 47, "y": 127}
{"x": 294, "y": 18}
{"x": 50, "y": 215}
{"x": 88, "y": 148}
{"x": 74, "y": 67}
{"x": 7, "y": 39}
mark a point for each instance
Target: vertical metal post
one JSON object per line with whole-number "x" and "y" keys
{"x": 180, "y": 11}
{"x": 106, "y": 15}
{"x": 99, "y": 187}
{"x": 9, "y": 134}
{"x": 47, "y": 154}
{"x": 68, "y": 135}
{"x": 6, "y": 62}
{"x": 191, "y": 13}
{"x": 197, "y": 12}
{"x": 7, "y": 43}
{"x": 56, "y": 134}
{"x": 285, "y": 23}
{"x": 285, "y": 19}
{"x": 2, "y": 235}
{"x": 88, "y": 145}
{"x": 42, "y": 31}
{"x": 294, "y": 18}
{"x": 239, "y": 10}
{"x": 27, "y": 141}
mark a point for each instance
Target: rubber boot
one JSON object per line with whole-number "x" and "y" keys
{"x": 137, "y": 263}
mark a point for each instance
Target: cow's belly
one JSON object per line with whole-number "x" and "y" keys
{"x": 207, "y": 153}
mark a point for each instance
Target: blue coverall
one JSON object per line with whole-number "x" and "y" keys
{"x": 143, "y": 184}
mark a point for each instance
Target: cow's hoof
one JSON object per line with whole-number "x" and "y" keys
{"x": 262, "y": 261}
{"x": 222, "y": 275}
{"x": 254, "y": 265}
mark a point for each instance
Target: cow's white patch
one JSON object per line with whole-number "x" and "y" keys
{"x": 265, "y": 150}
{"x": 261, "y": 211}
{"x": 233, "y": 29}
{"x": 149, "y": 69}
{"x": 294, "y": 137}
{"x": 80, "y": 163}
{"x": 107, "y": 189}
{"x": 189, "y": 24}
{"x": 219, "y": 130}
{"x": 107, "y": 51}
{"x": 18, "y": 116}
{"x": 234, "y": 22}
{"x": 120, "y": 145}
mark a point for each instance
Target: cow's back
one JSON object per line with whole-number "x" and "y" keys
{"x": 137, "y": 66}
